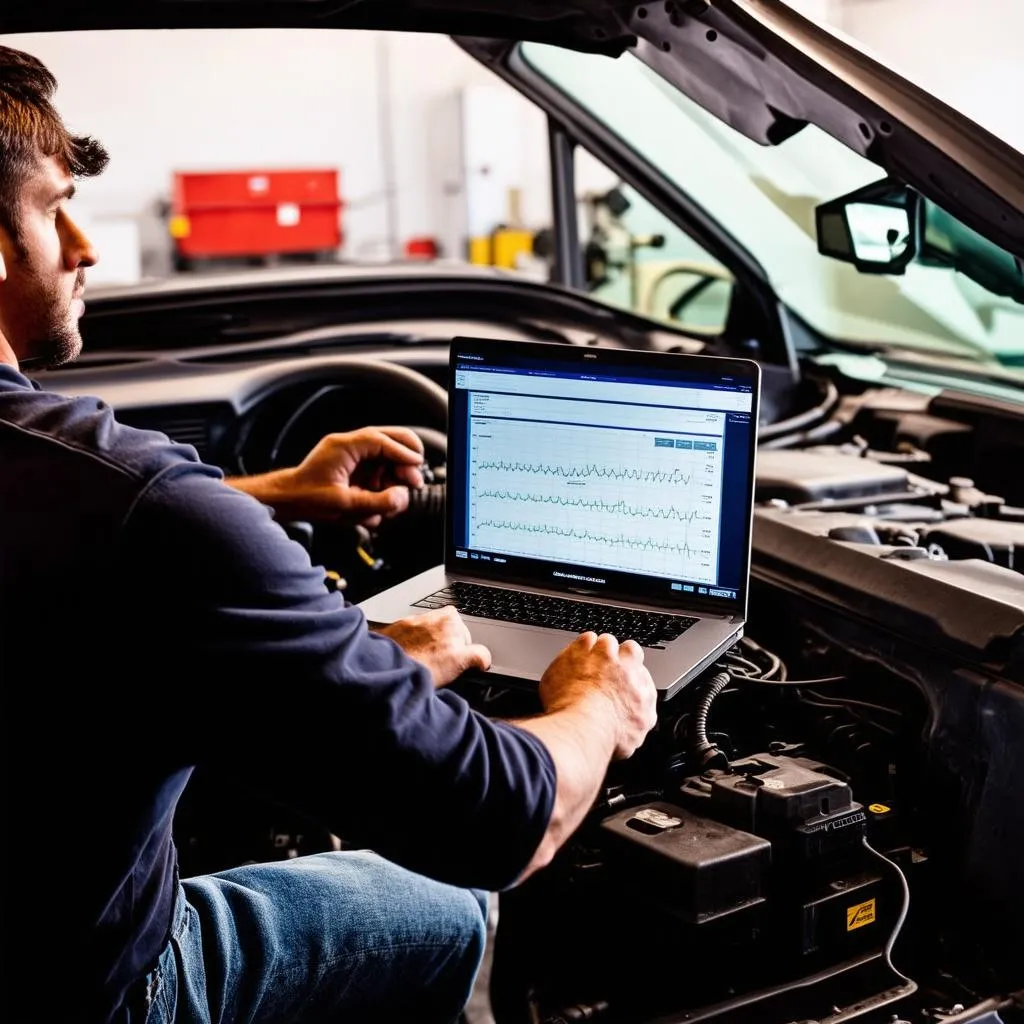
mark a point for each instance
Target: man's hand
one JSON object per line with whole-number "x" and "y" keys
{"x": 599, "y": 703}
{"x": 441, "y": 641}
{"x": 609, "y": 680}
{"x": 359, "y": 477}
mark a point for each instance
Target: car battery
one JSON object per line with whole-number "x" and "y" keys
{"x": 696, "y": 869}
{"x": 255, "y": 213}
{"x": 807, "y": 815}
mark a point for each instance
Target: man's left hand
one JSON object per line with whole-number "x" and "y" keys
{"x": 362, "y": 476}
{"x": 439, "y": 639}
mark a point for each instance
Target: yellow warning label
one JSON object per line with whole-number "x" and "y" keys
{"x": 860, "y": 915}
{"x": 879, "y": 808}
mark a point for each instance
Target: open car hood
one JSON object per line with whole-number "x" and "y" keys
{"x": 756, "y": 64}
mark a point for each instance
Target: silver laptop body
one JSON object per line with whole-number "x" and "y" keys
{"x": 619, "y": 479}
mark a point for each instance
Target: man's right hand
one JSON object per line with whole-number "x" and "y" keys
{"x": 608, "y": 679}
{"x": 599, "y": 704}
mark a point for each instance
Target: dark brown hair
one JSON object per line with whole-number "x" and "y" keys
{"x": 31, "y": 128}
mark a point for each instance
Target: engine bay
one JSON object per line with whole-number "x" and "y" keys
{"x": 728, "y": 872}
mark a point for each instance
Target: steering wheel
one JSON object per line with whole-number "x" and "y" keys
{"x": 337, "y": 393}
{"x": 340, "y": 393}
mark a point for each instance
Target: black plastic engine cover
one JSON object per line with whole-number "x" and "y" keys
{"x": 802, "y": 476}
{"x": 969, "y": 608}
{"x": 988, "y": 539}
{"x": 697, "y": 869}
{"x": 808, "y": 815}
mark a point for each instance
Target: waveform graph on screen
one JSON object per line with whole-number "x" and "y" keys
{"x": 629, "y": 500}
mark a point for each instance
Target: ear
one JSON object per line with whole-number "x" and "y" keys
{"x": 3, "y": 268}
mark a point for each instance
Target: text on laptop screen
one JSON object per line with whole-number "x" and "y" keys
{"x": 595, "y": 475}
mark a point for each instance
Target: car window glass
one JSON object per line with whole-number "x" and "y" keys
{"x": 636, "y": 258}
{"x": 765, "y": 197}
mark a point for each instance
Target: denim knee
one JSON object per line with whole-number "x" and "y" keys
{"x": 477, "y": 911}
{"x": 335, "y": 936}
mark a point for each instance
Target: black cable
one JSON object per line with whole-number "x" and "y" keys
{"x": 706, "y": 752}
{"x": 775, "y": 664}
{"x": 823, "y": 432}
{"x": 804, "y": 419}
{"x": 796, "y": 682}
{"x": 895, "y": 934}
{"x": 858, "y": 703}
{"x": 619, "y": 800}
{"x": 741, "y": 667}
{"x": 858, "y": 716}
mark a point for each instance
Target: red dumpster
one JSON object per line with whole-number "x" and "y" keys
{"x": 255, "y": 213}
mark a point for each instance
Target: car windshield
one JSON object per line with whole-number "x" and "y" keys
{"x": 765, "y": 197}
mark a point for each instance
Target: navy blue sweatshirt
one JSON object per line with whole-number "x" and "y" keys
{"x": 152, "y": 620}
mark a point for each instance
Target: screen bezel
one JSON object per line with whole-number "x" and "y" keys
{"x": 576, "y": 357}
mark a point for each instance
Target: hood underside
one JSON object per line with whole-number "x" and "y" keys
{"x": 597, "y": 25}
{"x": 756, "y": 64}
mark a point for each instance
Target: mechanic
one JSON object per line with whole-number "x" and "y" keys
{"x": 153, "y": 619}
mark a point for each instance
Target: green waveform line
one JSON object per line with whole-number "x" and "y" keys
{"x": 621, "y": 541}
{"x": 636, "y": 511}
{"x": 675, "y": 476}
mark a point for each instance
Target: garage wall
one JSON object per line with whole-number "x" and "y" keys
{"x": 183, "y": 100}
{"x": 193, "y": 100}
{"x": 969, "y": 54}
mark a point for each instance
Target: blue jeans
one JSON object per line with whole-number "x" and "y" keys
{"x": 341, "y": 937}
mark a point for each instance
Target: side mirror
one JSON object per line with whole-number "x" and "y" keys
{"x": 876, "y": 228}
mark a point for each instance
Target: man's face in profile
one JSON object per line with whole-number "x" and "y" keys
{"x": 41, "y": 292}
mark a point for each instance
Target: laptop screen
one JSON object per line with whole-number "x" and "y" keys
{"x": 623, "y": 472}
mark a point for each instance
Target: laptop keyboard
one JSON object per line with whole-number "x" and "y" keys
{"x": 649, "y": 629}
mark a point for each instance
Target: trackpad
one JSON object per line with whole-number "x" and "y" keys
{"x": 521, "y": 652}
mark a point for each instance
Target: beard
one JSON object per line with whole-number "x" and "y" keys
{"x": 58, "y": 340}
{"x": 63, "y": 345}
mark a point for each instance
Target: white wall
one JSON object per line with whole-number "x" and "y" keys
{"x": 970, "y": 54}
{"x": 192, "y": 100}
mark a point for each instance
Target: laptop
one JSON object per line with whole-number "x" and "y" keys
{"x": 593, "y": 489}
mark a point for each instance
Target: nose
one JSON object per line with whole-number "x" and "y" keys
{"x": 77, "y": 250}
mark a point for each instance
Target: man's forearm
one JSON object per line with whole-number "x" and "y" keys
{"x": 581, "y": 741}
{"x": 274, "y": 489}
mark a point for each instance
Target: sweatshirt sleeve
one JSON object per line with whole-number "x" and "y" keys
{"x": 275, "y": 680}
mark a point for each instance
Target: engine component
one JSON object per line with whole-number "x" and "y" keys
{"x": 842, "y": 914}
{"x": 970, "y": 608}
{"x": 944, "y": 534}
{"x": 991, "y": 540}
{"x": 695, "y": 868}
{"x": 705, "y": 752}
{"x": 808, "y": 816}
{"x": 802, "y": 476}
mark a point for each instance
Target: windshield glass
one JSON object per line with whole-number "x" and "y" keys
{"x": 766, "y": 197}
